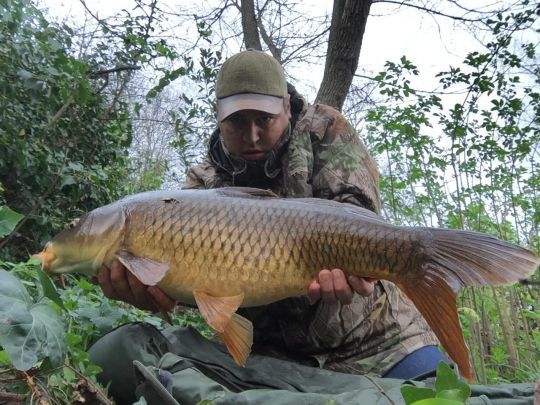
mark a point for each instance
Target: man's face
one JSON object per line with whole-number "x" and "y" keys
{"x": 251, "y": 134}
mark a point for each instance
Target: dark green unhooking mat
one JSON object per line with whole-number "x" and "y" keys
{"x": 181, "y": 367}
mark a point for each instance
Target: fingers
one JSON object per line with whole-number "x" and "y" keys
{"x": 119, "y": 281}
{"x": 105, "y": 281}
{"x": 342, "y": 289}
{"x": 162, "y": 300}
{"x": 119, "y": 284}
{"x": 334, "y": 286}
{"x": 139, "y": 291}
{"x": 362, "y": 285}
{"x": 314, "y": 291}
{"x": 331, "y": 286}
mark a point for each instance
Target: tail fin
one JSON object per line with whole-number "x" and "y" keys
{"x": 477, "y": 259}
{"x": 459, "y": 259}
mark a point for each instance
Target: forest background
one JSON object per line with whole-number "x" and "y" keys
{"x": 101, "y": 107}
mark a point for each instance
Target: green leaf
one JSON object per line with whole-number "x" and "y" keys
{"x": 8, "y": 220}
{"x": 447, "y": 381}
{"x": 68, "y": 180}
{"x": 470, "y": 313}
{"x": 438, "y": 401}
{"x": 49, "y": 290}
{"x": 4, "y": 358}
{"x": 454, "y": 394}
{"x": 24, "y": 74}
{"x": 92, "y": 369}
{"x": 413, "y": 394}
{"x": 29, "y": 332}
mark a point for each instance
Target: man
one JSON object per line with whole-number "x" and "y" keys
{"x": 268, "y": 137}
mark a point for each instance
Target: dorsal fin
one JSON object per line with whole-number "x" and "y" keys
{"x": 351, "y": 208}
{"x": 246, "y": 192}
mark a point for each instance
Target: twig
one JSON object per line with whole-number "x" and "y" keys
{"x": 36, "y": 205}
{"x": 410, "y": 88}
{"x": 113, "y": 70}
{"x": 99, "y": 394}
{"x": 36, "y": 393}
{"x": 11, "y": 379}
{"x": 60, "y": 112}
{"x": 10, "y": 397}
{"x": 105, "y": 115}
{"x": 529, "y": 282}
{"x": 430, "y": 10}
{"x": 99, "y": 20}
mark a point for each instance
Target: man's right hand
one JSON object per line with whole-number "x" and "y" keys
{"x": 119, "y": 284}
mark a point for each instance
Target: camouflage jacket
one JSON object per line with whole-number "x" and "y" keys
{"x": 322, "y": 156}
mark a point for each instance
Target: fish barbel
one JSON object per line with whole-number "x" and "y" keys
{"x": 225, "y": 248}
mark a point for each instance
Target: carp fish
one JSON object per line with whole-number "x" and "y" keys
{"x": 224, "y": 248}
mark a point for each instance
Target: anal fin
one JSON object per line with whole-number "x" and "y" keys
{"x": 217, "y": 311}
{"x": 238, "y": 338}
{"x": 235, "y": 330}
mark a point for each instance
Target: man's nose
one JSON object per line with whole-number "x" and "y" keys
{"x": 252, "y": 133}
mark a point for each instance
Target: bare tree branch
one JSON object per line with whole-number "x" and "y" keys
{"x": 276, "y": 52}
{"x": 117, "y": 69}
{"x": 314, "y": 41}
{"x": 249, "y": 25}
{"x": 430, "y": 10}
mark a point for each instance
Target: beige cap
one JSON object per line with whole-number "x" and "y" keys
{"x": 250, "y": 80}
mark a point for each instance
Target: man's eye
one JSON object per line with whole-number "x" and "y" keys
{"x": 233, "y": 119}
{"x": 265, "y": 119}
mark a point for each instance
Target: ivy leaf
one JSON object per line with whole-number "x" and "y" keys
{"x": 24, "y": 74}
{"x": 29, "y": 332}
{"x": 49, "y": 290}
{"x": 447, "y": 381}
{"x": 8, "y": 220}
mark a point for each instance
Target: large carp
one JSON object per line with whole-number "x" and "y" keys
{"x": 230, "y": 247}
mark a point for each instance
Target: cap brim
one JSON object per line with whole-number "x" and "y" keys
{"x": 248, "y": 101}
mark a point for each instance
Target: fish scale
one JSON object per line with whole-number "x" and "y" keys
{"x": 232, "y": 247}
{"x": 250, "y": 255}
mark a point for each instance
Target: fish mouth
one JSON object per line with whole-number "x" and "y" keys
{"x": 46, "y": 256}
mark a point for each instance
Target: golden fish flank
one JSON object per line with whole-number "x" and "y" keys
{"x": 231, "y": 247}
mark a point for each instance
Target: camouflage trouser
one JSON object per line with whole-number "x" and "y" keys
{"x": 181, "y": 367}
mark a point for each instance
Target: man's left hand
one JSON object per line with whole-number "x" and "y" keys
{"x": 334, "y": 286}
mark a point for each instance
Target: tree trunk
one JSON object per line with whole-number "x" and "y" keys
{"x": 249, "y": 25}
{"x": 529, "y": 346}
{"x": 480, "y": 367}
{"x": 345, "y": 40}
{"x": 508, "y": 336}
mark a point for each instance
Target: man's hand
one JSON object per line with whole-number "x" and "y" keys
{"x": 119, "y": 284}
{"x": 333, "y": 286}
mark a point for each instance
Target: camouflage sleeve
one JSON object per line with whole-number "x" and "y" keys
{"x": 201, "y": 176}
{"x": 343, "y": 170}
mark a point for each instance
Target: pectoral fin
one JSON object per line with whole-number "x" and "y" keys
{"x": 148, "y": 271}
{"x": 235, "y": 331}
